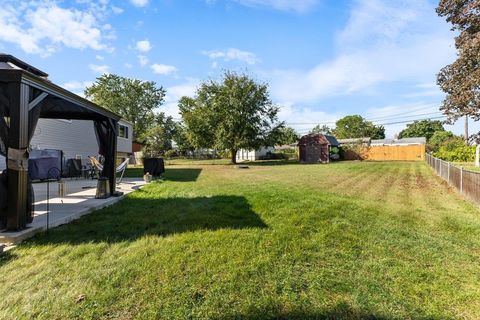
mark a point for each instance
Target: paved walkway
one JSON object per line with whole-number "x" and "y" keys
{"x": 79, "y": 200}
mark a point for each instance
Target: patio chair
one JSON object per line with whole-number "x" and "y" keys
{"x": 99, "y": 167}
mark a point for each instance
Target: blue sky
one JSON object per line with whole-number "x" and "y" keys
{"x": 323, "y": 59}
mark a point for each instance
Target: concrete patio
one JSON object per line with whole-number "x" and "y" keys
{"x": 79, "y": 200}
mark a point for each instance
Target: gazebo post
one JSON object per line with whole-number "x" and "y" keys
{"x": 18, "y": 156}
{"x": 113, "y": 145}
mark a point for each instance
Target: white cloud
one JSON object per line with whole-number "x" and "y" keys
{"x": 143, "y": 60}
{"x": 299, "y": 6}
{"x": 303, "y": 119}
{"x": 99, "y": 57}
{"x": 99, "y": 68}
{"x": 43, "y": 27}
{"x": 174, "y": 93}
{"x": 139, "y": 3}
{"x": 143, "y": 46}
{"x": 232, "y": 54}
{"x": 383, "y": 42}
{"x": 163, "y": 69}
{"x": 77, "y": 87}
{"x": 117, "y": 10}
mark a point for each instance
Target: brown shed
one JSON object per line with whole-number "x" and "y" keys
{"x": 315, "y": 147}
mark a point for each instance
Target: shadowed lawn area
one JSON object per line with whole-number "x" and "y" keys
{"x": 351, "y": 240}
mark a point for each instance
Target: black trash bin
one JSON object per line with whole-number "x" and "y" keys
{"x": 154, "y": 166}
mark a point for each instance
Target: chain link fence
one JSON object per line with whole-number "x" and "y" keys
{"x": 467, "y": 182}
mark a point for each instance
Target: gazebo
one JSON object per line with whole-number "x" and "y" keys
{"x": 26, "y": 95}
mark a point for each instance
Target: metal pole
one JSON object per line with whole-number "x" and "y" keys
{"x": 48, "y": 203}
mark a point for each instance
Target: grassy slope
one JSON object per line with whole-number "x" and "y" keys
{"x": 346, "y": 240}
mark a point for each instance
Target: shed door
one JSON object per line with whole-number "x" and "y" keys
{"x": 313, "y": 153}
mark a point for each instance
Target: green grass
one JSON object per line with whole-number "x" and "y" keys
{"x": 351, "y": 240}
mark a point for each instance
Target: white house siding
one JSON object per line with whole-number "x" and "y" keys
{"x": 125, "y": 145}
{"x": 252, "y": 155}
{"x": 73, "y": 137}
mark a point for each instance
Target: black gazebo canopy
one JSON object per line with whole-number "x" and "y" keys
{"x": 25, "y": 96}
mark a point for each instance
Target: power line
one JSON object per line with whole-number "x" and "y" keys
{"x": 389, "y": 123}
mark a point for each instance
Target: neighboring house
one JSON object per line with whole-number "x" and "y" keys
{"x": 253, "y": 155}
{"x": 76, "y": 139}
{"x": 316, "y": 147}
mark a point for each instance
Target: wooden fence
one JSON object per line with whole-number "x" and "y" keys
{"x": 413, "y": 152}
{"x": 467, "y": 182}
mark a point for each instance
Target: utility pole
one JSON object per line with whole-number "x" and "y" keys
{"x": 466, "y": 129}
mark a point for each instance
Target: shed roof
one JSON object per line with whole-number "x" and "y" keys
{"x": 333, "y": 141}
{"x": 318, "y": 138}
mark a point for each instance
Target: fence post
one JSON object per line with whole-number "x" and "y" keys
{"x": 448, "y": 173}
{"x": 461, "y": 179}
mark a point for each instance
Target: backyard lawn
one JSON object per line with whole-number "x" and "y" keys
{"x": 351, "y": 240}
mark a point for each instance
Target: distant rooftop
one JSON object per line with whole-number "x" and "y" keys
{"x": 419, "y": 140}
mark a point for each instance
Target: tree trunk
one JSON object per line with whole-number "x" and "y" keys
{"x": 233, "y": 156}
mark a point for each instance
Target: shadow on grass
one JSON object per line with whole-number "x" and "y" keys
{"x": 182, "y": 174}
{"x": 6, "y": 257}
{"x": 137, "y": 217}
{"x": 177, "y": 174}
{"x": 340, "y": 310}
{"x": 270, "y": 162}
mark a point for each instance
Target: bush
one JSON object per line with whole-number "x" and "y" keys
{"x": 438, "y": 139}
{"x": 275, "y": 156}
{"x": 171, "y": 154}
{"x": 455, "y": 149}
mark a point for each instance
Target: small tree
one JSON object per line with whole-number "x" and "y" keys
{"x": 357, "y": 127}
{"x": 422, "y": 128}
{"x": 133, "y": 99}
{"x": 234, "y": 113}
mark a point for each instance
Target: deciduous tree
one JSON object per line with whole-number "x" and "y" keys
{"x": 461, "y": 79}
{"x": 323, "y": 129}
{"x": 422, "y": 128}
{"x": 133, "y": 99}
{"x": 286, "y": 135}
{"x": 230, "y": 114}
{"x": 356, "y": 126}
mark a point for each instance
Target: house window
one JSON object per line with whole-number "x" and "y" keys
{"x": 123, "y": 131}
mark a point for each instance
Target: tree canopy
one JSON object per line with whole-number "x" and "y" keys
{"x": 323, "y": 129}
{"x": 461, "y": 79}
{"x": 231, "y": 114}
{"x": 286, "y": 135}
{"x": 422, "y": 128}
{"x": 134, "y": 100}
{"x": 356, "y": 126}
{"x": 158, "y": 138}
